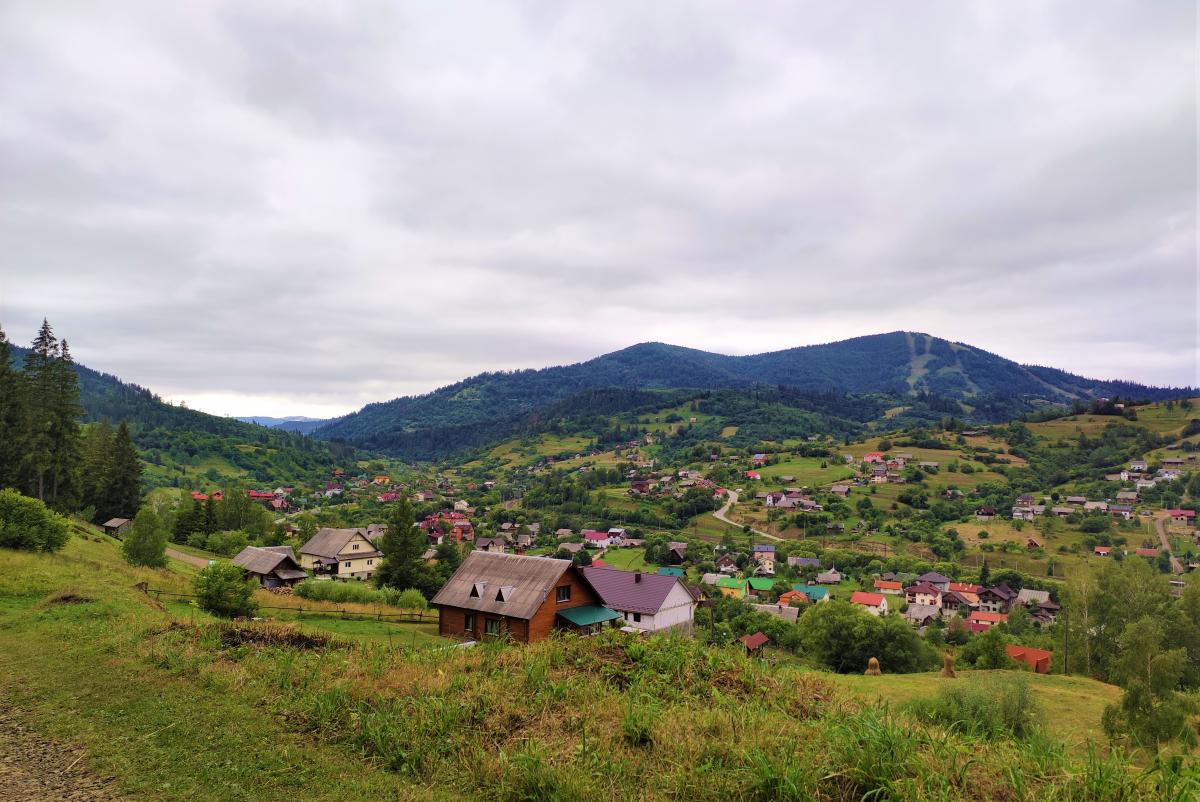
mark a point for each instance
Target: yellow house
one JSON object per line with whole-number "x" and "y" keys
{"x": 342, "y": 553}
{"x": 381, "y": 480}
{"x": 732, "y": 587}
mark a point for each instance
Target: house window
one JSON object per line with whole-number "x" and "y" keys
{"x": 562, "y": 594}
{"x": 637, "y": 618}
{"x": 347, "y": 564}
{"x": 370, "y": 562}
{"x": 469, "y": 622}
{"x": 354, "y": 547}
{"x": 491, "y": 626}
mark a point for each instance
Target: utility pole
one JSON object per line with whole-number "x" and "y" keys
{"x": 1066, "y": 641}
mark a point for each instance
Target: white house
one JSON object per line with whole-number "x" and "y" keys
{"x": 649, "y": 602}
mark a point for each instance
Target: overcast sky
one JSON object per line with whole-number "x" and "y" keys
{"x": 266, "y": 208}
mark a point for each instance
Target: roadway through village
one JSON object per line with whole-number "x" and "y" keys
{"x": 722, "y": 515}
{"x": 1161, "y": 525}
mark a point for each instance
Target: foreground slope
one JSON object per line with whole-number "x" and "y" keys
{"x": 179, "y": 709}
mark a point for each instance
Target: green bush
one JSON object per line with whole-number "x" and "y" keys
{"x": 991, "y": 708}
{"x": 146, "y": 543}
{"x": 223, "y": 590}
{"x": 342, "y": 592}
{"x": 227, "y": 543}
{"x": 27, "y": 524}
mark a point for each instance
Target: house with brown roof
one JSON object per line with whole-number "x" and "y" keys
{"x": 986, "y": 620}
{"x": 525, "y": 598}
{"x": 649, "y": 602}
{"x": 115, "y": 526}
{"x": 272, "y": 566}
{"x": 341, "y": 553}
{"x": 755, "y": 643}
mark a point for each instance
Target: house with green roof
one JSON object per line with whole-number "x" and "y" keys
{"x": 761, "y": 585}
{"x": 665, "y": 571}
{"x": 732, "y": 587}
{"x": 815, "y": 593}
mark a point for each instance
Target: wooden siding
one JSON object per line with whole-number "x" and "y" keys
{"x": 451, "y": 620}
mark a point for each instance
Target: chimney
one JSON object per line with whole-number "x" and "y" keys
{"x": 637, "y": 577}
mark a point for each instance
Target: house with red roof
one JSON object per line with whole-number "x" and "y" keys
{"x": 754, "y": 475}
{"x": 754, "y": 643}
{"x": 1183, "y": 517}
{"x": 1146, "y": 552}
{"x": 596, "y": 539}
{"x": 873, "y": 603}
{"x": 873, "y": 457}
{"x": 889, "y": 587}
{"x": 1037, "y": 659}
{"x": 982, "y": 618}
{"x": 1102, "y": 551}
{"x": 923, "y": 593}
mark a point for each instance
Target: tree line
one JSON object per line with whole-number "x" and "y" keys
{"x": 45, "y": 452}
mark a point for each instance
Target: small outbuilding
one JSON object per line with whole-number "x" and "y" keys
{"x": 116, "y": 526}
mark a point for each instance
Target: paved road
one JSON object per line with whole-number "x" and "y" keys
{"x": 199, "y": 562}
{"x": 1161, "y": 525}
{"x": 723, "y": 516}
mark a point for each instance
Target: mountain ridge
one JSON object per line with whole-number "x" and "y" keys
{"x": 899, "y": 363}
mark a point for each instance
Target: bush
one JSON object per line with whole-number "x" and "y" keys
{"x": 411, "y": 599}
{"x": 227, "y": 543}
{"x": 27, "y": 524}
{"x": 990, "y": 708}
{"x": 360, "y": 593}
{"x": 223, "y": 590}
{"x": 146, "y": 543}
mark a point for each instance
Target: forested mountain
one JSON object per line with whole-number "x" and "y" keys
{"x": 899, "y": 365}
{"x": 168, "y": 434}
{"x": 296, "y": 423}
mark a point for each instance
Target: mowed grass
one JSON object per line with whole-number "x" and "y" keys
{"x": 628, "y": 560}
{"x": 1073, "y": 705}
{"x": 807, "y": 472}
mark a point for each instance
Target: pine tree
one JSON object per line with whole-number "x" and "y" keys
{"x": 146, "y": 542}
{"x": 98, "y": 442}
{"x": 39, "y": 383}
{"x": 65, "y": 490}
{"x": 189, "y": 520}
{"x": 402, "y": 546}
{"x": 11, "y": 417}
{"x": 210, "y": 516}
{"x": 123, "y": 491}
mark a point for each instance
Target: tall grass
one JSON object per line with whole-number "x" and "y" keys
{"x": 986, "y": 707}
{"x": 359, "y": 593}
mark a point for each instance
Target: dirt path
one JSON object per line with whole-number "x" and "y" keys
{"x": 1161, "y": 525}
{"x": 722, "y": 515}
{"x": 199, "y": 562}
{"x": 33, "y": 767}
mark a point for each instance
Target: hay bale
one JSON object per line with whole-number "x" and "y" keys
{"x": 948, "y": 666}
{"x": 873, "y": 668}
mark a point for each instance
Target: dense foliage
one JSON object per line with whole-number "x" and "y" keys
{"x": 26, "y": 523}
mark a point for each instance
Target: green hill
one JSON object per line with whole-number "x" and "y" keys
{"x": 900, "y": 365}
{"x": 173, "y": 707}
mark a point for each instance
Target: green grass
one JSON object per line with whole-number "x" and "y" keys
{"x": 628, "y": 560}
{"x": 175, "y": 706}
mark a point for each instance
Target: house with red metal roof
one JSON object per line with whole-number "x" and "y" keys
{"x": 1037, "y": 659}
{"x": 982, "y": 618}
{"x": 873, "y": 603}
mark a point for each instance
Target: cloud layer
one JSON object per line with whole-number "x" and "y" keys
{"x": 275, "y": 208}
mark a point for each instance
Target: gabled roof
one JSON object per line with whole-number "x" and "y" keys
{"x": 761, "y": 582}
{"x": 883, "y": 584}
{"x": 923, "y": 587}
{"x": 115, "y": 522}
{"x": 933, "y": 577}
{"x": 755, "y": 641}
{"x": 623, "y": 590}
{"x": 329, "y": 542}
{"x": 483, "y": 574}
{"x": 268, "y": 559}
{"x": 1000, "y": 591}
{"x": 731, "y": 582}
{"x": 869, "y": 599}
{"x": 1031, "y": 596}
{"x": 981, "y": 616}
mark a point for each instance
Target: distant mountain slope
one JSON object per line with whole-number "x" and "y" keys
{"x": 899, "y": 363}
{"x": 294, "y": 423}
{"x": 165, "y": 432}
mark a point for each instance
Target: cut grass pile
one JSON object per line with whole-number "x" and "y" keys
{"x": 202, "y": 710}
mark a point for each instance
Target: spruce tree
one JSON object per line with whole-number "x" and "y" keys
{"x": 39, "y": 385}
{"x": 98, "y": 442}
{"x": 402, "y": 546}
{"x": 146, "y": 542}
{"x": 123, "y": 491}
{"x": 66, "y": 412}
{"x": 209, "y": 524}
{"x": 11, "y": 417}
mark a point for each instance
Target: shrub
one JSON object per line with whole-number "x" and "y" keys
{"x": 222, "y": 590}
{"x": 146, "y": 543}
{"x": 991, "y": 708}
{"x": 411, "y": 599}
{"x": 26, "y": 523}
{"x": 227, "y": 543}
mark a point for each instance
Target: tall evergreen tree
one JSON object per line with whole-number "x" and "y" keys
{"x": 123, "y": 491}
{"x": 402, "y": 546}
{"x": 210, "y": 516}
{"x": 39, "y": 382}
{"x": 66, "y": 412}
{"x": 11, "y": 417}
{"x": 97, "y": 449}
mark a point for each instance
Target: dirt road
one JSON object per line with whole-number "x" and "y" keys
{"x": 722, "y": 515}
{"x": 199, "y": 562}
{"x": 33, "y": 767}
{"x": 1161, "y": 525}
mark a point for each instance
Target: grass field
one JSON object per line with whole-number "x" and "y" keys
{"x": 807, "y": 472}
{"x": 173, "y": 708}
{"x": 628, "y": 560}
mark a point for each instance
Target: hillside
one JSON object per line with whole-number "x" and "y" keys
{"x": 175, "y": 440}
{"x": 492, "y": 406}
{"x": 146, "y": 696}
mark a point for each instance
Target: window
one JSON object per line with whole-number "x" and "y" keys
{"x": 491, "y": 626}
{"x": 347, "y": 564}
{"x": 354, "y": 547}
{"x": 637, "y": 618}
{"x": 469, "y": 622}
{"x": 562, "y": 594}
{"x": 370, "y": 562}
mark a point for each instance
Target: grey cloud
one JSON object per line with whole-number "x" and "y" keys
{"x": 283, "y": 209}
